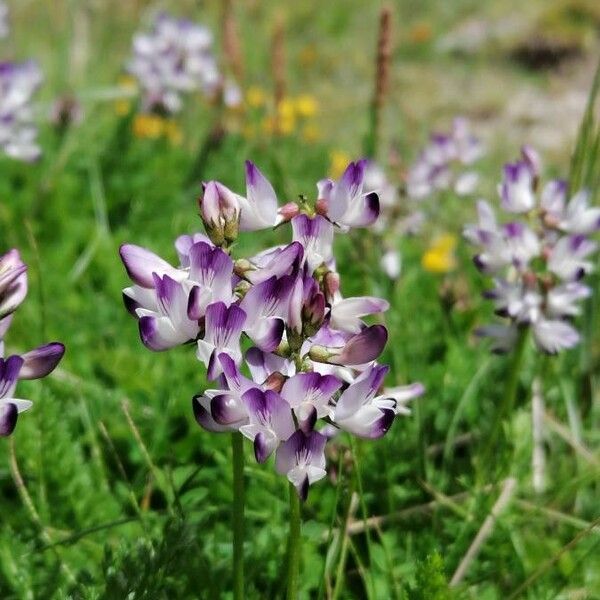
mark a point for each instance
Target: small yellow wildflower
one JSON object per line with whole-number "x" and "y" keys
{"x": 148, "y": 126}
{"x": 306, "y": 106}
{"x": 255, "y": 97}
{"x": 286, "y": 109}
{"x": 339, "y": 160}
{"x": 439, "y": 257}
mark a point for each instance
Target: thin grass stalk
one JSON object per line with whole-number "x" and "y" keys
{"x": 294, "y": 545}
{"x": 237, "y": 447}
{"x": 363, "y": 505}
{"x": 339, "y": 578}
{"x": 231, "y": 41}
{"x": 538, "y": 457}
{"x": 485, "y": 531}
{"x": 330, "y": 533}
{"x": 278, "y": 67}
{"x": 382, "y": 78}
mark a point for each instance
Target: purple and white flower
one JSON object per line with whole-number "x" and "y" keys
{"x": 174, "y": 58}
{"x": 516, "y": 189}
{"x": 360, "y": 412}
{"x": 266, "y": 306}
{"x": 34, "y": 364}
{"x": 346, "y": 202}
{"x": 310, "y": 395}
{"x": 537, "y": 264}
{"x": 222, "y": 332}
{"x": 445, "y": 163}
{"x": 170, "y": 302}
{"x": 18, "y": 133}
{"x": 302, "y": 460}
{"x": 270, "y": 423}
{"x": 316, "y": 236}
{"x": 310, "y": 349}
{"x": 13, "y": 282}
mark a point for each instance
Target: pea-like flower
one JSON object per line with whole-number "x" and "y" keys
{"x": 311, "y": 355}
{"x": 34, "y": 364}
{"x": 175, "y": 57}
{"x": 446, "y": 163}
{"x": 538, "y": 258}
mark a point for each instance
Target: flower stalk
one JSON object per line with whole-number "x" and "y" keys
{"x": 510, "y": 391}
{"x": 237, "y": 447}
{"x": 382, "y": 78}
{"x": 294, "y": 544}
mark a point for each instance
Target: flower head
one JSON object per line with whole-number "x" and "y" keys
{"x": 537, "y": 258}
{"x": 312, "y": 354}
{"x": 446, "y": 163}
{"x": 174, "y": 58}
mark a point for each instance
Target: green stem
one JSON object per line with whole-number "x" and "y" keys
{"x": 237, "y": 446}
{"x": 294, "y": 542}
{"x": 510, "y": 392}
{"x": 363, "y": 507}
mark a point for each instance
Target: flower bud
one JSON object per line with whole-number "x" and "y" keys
{"x": 242, "y": 266}
{"x": 319, "y": 354}
{"x": 220, "y": 213}
{"x": 321, "y": 207}
{"x": 313, "y": 313}
{"x": 275, "y": 381}
{"x": 289, "y": 211}
{"x": 331, "y": 284}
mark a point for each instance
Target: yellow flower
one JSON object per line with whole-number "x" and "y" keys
{"x": 439, "y": 257}
{"x": 286, "y": 125}
{"x": 148, "y": 126}
{"x": 339, "y": 160}
{"x": 286, "y": 109}
{"x": 255, "y": 97}
{"x": 306, "y": 106}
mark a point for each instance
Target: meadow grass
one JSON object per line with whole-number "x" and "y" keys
{"x": 109, "y": 489}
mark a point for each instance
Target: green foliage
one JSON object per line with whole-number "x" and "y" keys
{"x": 430, "y": 581}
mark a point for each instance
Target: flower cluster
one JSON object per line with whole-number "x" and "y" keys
{"x": 445, "y": 163}
{"x": 538, "y": 258}
{"x": 18, "y": 134}
{"x": 310, "y": 364}
{"x": 34, "y": 364}
{"x": 174, "y": 58}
